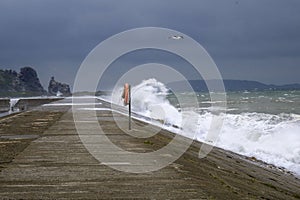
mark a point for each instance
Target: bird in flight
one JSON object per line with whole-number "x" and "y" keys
{"x": 176, "y": 37}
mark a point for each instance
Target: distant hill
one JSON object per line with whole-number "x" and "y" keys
{"x": 24, "y": 83}
{"x": 27, "y": 83}
{"x": 232, "y": 85}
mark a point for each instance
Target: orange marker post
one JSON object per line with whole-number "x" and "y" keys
{"x": 127, "y": 101}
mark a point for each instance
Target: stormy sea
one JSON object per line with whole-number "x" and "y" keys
{"x": 260, "y": 124}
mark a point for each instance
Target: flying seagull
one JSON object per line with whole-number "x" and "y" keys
{"x": 176, "y": 37}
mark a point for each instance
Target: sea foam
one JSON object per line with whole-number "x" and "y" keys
{"x": 274, "y": 139}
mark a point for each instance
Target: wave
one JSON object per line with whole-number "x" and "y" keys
{"x": 149, "y": 98}
{"x": 274, "y": 139}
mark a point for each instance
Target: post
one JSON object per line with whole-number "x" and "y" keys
{"x": 129, "y": 108}
{"x": 127, "y": 101}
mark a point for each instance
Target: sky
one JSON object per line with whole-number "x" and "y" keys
{"x": 247, "y": 39}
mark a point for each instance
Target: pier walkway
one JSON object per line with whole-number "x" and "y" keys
{"x": 56, "y": 165}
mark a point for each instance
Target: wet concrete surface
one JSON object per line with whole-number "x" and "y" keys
{"x": 56, "y": 164}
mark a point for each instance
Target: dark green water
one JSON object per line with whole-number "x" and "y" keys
{"x": 269, "y": 102}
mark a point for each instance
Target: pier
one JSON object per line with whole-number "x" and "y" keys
{"x": 42, "y": 157}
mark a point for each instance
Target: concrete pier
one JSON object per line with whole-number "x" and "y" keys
{"x": 4, "y": 105}
{"x": 25, "y": 103}
{"x": 54, "y": 164}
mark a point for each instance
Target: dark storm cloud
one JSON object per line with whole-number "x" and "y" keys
{"x": 248, "y": 39}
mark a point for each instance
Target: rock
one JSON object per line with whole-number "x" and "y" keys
{"x": 25, "y": 83}
{"x": 58, "y": 89}
{"x": 30, "y": 81}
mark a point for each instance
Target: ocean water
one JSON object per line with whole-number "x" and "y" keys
{"x": 265, "y": 125}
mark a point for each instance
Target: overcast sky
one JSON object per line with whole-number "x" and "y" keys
{"x": 248, "y": 39}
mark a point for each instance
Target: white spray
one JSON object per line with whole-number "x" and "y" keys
{"x": 12, "y": 104}
{"x": 274, "y": 139}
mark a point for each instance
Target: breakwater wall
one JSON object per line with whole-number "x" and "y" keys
{"x": 24, "y": 104}
{"x": 4, "y": 105}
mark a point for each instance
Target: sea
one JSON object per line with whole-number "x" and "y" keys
{"x": 260, "y": 124}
